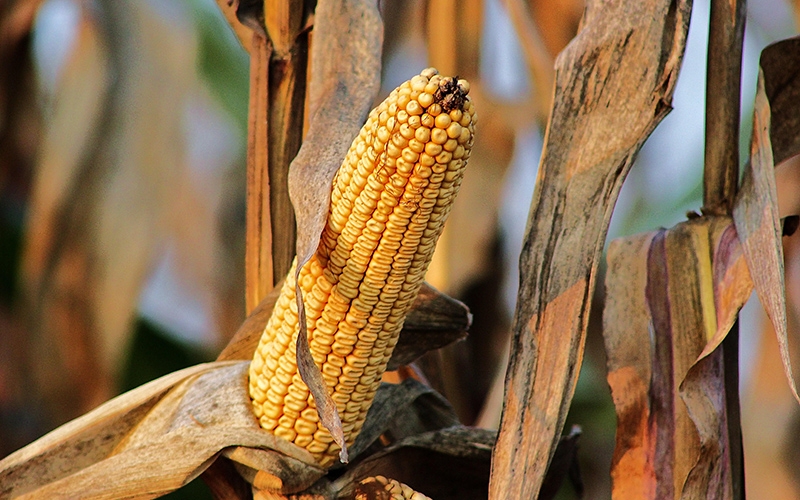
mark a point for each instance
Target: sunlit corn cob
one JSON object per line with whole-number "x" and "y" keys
{"x": 388, "y": 205}
{"x": 374, "y": 487}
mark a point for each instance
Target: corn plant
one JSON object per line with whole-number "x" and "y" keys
{"x": 342, "y": 219}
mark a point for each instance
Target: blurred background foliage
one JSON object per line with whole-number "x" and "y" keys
{"x": 122, "y": 188}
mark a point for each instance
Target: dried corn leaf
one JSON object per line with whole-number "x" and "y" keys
{"x": 776, "y": 137}
{"x": 703, "y": 389}
{"x": 614, "y": 83}
{"x": 403, "y": 410}
{"x": 626, "y": 332}
{"x": 153, "y": 440}
{"x": 672, "y": 296}
{"x": 160, "y": 436}
{"x": 446, "y": 464}
{"x": 434, "y": 321}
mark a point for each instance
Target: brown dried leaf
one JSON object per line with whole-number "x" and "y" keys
{"x": 776, "y": 136}
{"x": 780, "y": 63}
{"x": 703, "y": 388}
{"x": 404, "y": 410}
{"x": 732, "y": 285}
{"x": 703, "y": 391}
{"x": 626, "y": 332}
{"x": 345, "y": 77}
{"x": 614, "y": 83}
{"x": 434, "y": 321}
{"x": 251, "y": 14}
{"x": 672, "y": 296}
{"x": 153, "y": 440}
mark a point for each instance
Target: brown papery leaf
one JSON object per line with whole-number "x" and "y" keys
{"x": 780, "y": 63}
{"x": 614, "y": 83}
{"x": 756, "y": 210}
{"x": 626, "y": 333}
{"x": 153, "y": 440}
{"x": 732, "y": 285}
{"x": 703, "y": 392}
{"x": 703, "y": 389}
{"x": 345, "y": 78}
{"x": 404, "y": 410}
{"x": 671, "y": 297}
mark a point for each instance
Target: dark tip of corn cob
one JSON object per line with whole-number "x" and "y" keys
{"x": 451, "y": 93}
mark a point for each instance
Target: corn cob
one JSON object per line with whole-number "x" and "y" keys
{"x": 388, "y": 205}
{"x": 379, "y": 487}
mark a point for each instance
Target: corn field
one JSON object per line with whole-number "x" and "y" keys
{"x": 556, "y": 260}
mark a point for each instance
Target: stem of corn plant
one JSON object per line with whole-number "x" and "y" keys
{"x": 259, "y": 273}
{"x": 275, "y": 130}
{"x": 720, "y": 181}
{"x": 724, "y": 65}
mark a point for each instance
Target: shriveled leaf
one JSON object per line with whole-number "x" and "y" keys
{"x": 732, "y": 285}
{"x": 756, "y": 210}
{"x": 672, "y": 296}
{"x": 614, "y": 83}
{"x": 445, "y": 464}
{"x": 344, "y": 81}
{"x": 780, "y": 63}
{"x": 251, "y": 14}
{"x": 153, "y": 440}
{"x": 626, "y": 333}
{"x": 434, "y": 321}
{"x": 404, "y": 410}
{"x": 703, "y": 391}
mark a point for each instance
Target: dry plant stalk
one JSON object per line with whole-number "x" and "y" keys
{"x": 613, "y": 85}
{"x": 672, "y": 299}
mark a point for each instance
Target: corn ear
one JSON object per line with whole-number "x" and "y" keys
{"x": 389, "y": 201}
